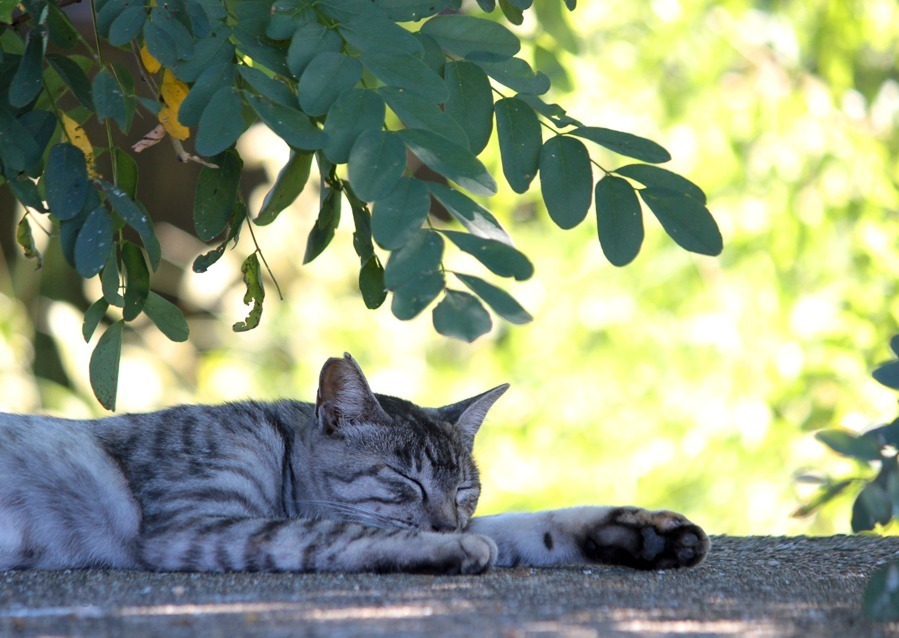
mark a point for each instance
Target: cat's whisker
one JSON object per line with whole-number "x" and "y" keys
{"x": 357, "y": 514}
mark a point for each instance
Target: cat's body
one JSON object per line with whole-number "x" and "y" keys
{"x": 356, "y": 482}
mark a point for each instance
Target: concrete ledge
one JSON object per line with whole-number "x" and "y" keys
{"x": 749, "y": 586}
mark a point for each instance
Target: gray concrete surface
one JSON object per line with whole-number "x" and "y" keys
{"x": 749, "y": 586}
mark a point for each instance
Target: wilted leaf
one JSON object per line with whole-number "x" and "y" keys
{"x": 255, "y": 294}
{"x": 173, "y": 93}
{"x": 25, "y": 239}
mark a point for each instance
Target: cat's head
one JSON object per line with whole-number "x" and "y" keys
{"x": 387, "y": 462}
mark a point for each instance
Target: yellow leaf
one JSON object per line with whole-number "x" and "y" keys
{"x": 78, "y": 138}
{"x": 173, "y": 93}
{"x": 151, "y": 64}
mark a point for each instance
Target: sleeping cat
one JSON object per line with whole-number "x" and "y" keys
{"x": 357, "y": 482}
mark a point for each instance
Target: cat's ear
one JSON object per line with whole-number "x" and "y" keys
{"x": 344, "y": 396}
{"x": 468, "y": 415}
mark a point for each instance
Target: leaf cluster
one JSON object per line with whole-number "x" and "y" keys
{"x": 361, "y": 88}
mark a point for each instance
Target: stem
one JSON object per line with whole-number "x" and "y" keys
{"x": 264, "y": 262}
{"x": 115, "y": 170}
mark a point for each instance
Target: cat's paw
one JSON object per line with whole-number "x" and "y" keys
{"x": 638, "y": 538}
{"x": 464, "y": 554}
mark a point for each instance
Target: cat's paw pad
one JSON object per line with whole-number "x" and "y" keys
{"x": 466, "y": 554}
{"x": 646, "y": 540}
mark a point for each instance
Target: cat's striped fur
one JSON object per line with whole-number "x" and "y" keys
{"x": 356, "y": 482}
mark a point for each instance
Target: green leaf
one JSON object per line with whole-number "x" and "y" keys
{"x": 354, "y": 111}
{"x": 308, "y": 41}
{"x": 287, "y": 187}
{"x": 209, "y": 82}
{"x": 470, "y": 102}
{"x": 287, "y": 16}
{"x": 371, "y": 283}
{"x": 885, "y": 434}
{"x": 500, "y": 258}
{"x": 326, "y": 76}
{"x": 376, "y": 163}
{"x": 92, "y": 318}
{"x": 412, "y": 10}
{"x": 519, "y": 142}
{"x": 109, "y": 281}
{"x": 619, "y": 220}
{"x": 686, "y": 220}
{"x": 66, "y": 181}
{"x": 501, "y": 302}
{"x": 18, "y": 148}
{"x": 407, "y": 72}
{"x": 451, "y": 160}
{"x": 93, "y": 243}
{"x": 513, "y": 14}
{"x": 104, "y": 365}
{"x": 270, "y": 88}
{"x": 167, "y": 317}
{"x": 127, "y": 25}
{"x": 323, "y": 231}
{"x": 208, "y": 52}
{"x": 517, "y": 75}
{"x": 850, "y": 444}
{"x": 109, "y": 99}
{"x": 137, "y": 218}
{"x": 62, "y": 32}
{"x": 417, "y": 112}
{"x": 216, "y": 194}
{"x": 27, "y": 81}
{"x": 624, "y": 143}
{"x": 203, "y": 262}
{"x": 25, "y": 239}
{"x": 290, "y": 124}
{"x": 472, "y": 37}
{"x": 137, "y": 281}
{"x": 126, "y": 172}
{"x": 74, "y": 77}
{"x": 871, "y": 507}
{"x": 255, "y": 294}
{"x": 26, "y": 192}
{"x": 827, "y": 493}
{"x": 476, "y": 219}
{"x": 553, "y": 112}
{"x": 657, "y": 177}
{"x": 881, "y": 599}
{"x": 221, "y": 122}
{"x": 362, "y": 240}
{"x": 888, "y": 374}
{"x": 372, "y": 34}
{"x": 461, "y": 316}
{"x": 399, "y": 214}
{"x": 894, "y": 344}
{"x": 416, "y": 294}
{"x": 565, "y": 180}
{"x": 420, "y": 255}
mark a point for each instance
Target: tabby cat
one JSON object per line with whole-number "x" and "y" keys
{"x": 357, "y": 482}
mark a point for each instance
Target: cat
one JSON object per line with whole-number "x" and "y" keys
{"x": 356, "y": 482}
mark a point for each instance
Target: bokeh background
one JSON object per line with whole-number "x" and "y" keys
{"x": 678, "y": 381}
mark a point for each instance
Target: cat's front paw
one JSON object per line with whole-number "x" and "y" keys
{"x": 638, "y": 538}
{"x": 464, "y": 554}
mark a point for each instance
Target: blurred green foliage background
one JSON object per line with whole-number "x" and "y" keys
{"x": 679, "y": 381}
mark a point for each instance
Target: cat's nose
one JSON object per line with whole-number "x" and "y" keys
{"x": 443, "y": 526}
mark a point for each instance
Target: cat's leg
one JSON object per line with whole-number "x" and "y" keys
{"x": 627, "y": 536}
{"x": 302, "y": 545}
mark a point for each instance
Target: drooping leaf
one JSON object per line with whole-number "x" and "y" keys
{"x": 255, "y": 294}
{"x": 501, "y": 302}
{"x": 686, "y": 220}
{"x": 167, "y": 317}
{"x": 18, "y": 148}
{"x": 93, "y": 243}
{"x": 470, "y": 102}
{"x": 461, "y": 316}
{"x": 371, "y": 283}
{"x": 104, "y": 365}
{"x": 513, "y": 13}
{"x": 221, "y": 122}
{"x": 287, "y": 187}
{"x": 136, "y": 217}
{"x": 619, "y": 220}
{"x": 326, "y": 76}
{"x": 355, "y": 111}
{"x": 565, "y": 180}
{"x": 92, "y": 318}
{"x": 290, "y": 124}
{"x": 871, "y": 507}
{"x": 517, "y": 75}
{"x": 417, "y": 112}
{"x": 824, "y": 495}
{"x": 625, "y": 144}
{"x": 62, "y": 32}
{"x": 216, "y": 194}
{"x": 137, "y": 281}
{"x": 110, "y": 282}
{"x": 25, "y": 239}
{"x": 472, "y": 37}
{"x": 502, "y": 259}
{"x": 399, "y": 214}
{"x": 476, "y": 219}
{"x": 74, "y": 77}
{"x": 27, "y": 81}
{"x": 888, "y": 374}
{"x": 203, "y": 262}
{"x": 126, "y": 172}
{"x": 451, "y": 160}
{"x": 323, "y": 231}
{"x": 376, "y": 163}
{"x": 66, "y": 182}
{"x": 894, "y": 344}
{"x": 850, "y": 444}
{"x": 658, "y": 177}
